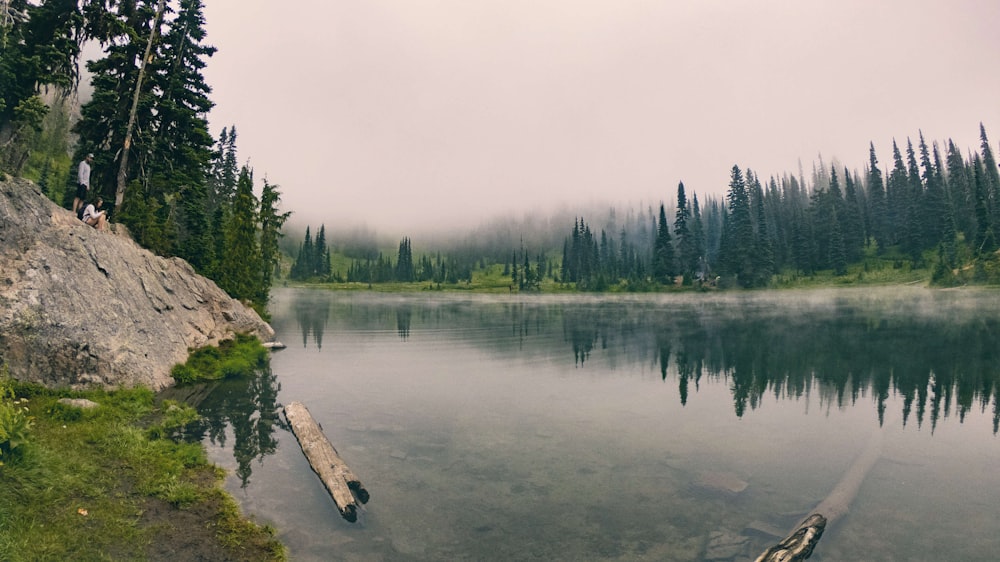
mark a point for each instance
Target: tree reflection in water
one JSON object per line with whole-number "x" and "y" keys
{"x": 312, "y": 316}
{"x": 933, "y": 363}
{"x": 939, "y": 351}
{"x": 250, "y": 406}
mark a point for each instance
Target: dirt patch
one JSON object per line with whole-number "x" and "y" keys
{"x": 195, "y": 533}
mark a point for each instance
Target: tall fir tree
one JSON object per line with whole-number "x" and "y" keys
{"x": 271, "y": 219}
{"x": 663, "y": 251}
{"x": 960, "y": 192}
{"x": 687, "y": 254}
{"x": 854, "y": 219}
{"x": 763, "y": 252}
{"x": 304, "y": 263}
{"x": 991, "y": 177}
{"x": 879, "y": 227}
{"x": 738, "y": 232}
{"x": 241, "y": 271}
{"x": 985, "y": 241}
{"x": 320, "y": 258}
{"x": 898, "y": 197}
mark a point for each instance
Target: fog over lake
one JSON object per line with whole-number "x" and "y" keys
{"x": 633, "y": 427}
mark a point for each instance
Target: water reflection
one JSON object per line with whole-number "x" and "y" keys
{"x": 403, "y": 322}
{"x": 312, "y": 317}
{"x": 249, "y": 406}
{"x": 938, "y": 351}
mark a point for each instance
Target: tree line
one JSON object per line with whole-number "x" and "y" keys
{"x": 178, "y": 190}
{"x": 931, "y": 208}
{"x": 938, "y": 208}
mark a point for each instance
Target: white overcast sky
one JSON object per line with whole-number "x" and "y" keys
{"x": 406, "y": 114}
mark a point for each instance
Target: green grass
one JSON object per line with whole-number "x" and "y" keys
{"x": 238, "y": 357}
{"x": 79, "y": 486}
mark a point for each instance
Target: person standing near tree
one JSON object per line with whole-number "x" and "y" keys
{"x": 82, "y": 181}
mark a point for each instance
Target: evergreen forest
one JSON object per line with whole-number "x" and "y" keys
{"x": 931, "y": 209}
{"x": 179, "y": 191}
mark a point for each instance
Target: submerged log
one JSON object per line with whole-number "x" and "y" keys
{"x": 345, "y": 488}
{"x": 838, "y": 501}
{"x": 803, "y": 538}
{"x": 799, "y": 545}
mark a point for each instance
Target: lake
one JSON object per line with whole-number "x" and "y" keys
{"x": 635, "y": 427}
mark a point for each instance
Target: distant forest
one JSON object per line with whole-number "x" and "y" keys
{"x": 930, "y": 208}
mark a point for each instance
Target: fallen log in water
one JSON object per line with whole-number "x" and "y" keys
{"x": 799, "y": 545}
{"x": 807, "y": 533}
{"x": 345, "y": 488}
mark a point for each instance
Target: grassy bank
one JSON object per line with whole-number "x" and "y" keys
{"x": 874, "y": 269}
{"x": 109, "y": 483}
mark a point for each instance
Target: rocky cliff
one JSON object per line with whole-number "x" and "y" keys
{"x": 80, "y": 307}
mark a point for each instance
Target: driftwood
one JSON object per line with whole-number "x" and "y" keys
{"x": 344, "y": 487}
{"x": 799, "y": 545}
{"x": 803, "y": 538}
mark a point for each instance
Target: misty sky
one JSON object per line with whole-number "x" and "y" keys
{"x": 405, "y": 114}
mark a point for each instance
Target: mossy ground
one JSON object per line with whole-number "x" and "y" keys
{"x": 111, "y": 484}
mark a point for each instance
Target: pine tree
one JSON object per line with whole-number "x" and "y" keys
{"x": 687, "y": 254}
{"x": 960, "y": 192}
{"x": 853, "y": 220}
{"x": 103, "y": 119}
{"x": 271, "y": 219}
{"x": 898, "y": 198}
{"x": 991, "y": 177}
{"x": 304, "y": 265}
{"x": 242, "y": 266}
{"x": 404, "y": 262}
{"x": 196, "y": 244}
{"x": 879, "y": 225}
{"x": 182, "y": 146}
{"x": 121, "y": 180}
{"x": 318, "y": 260}
{"x": 663, "y": 251}
{"x": 738, "y": 232}
{"x": 838, "y": 255}
{"x": 763, "y": 252}
{"x": 986, "y": 240}
{"x": 914, "y": 242}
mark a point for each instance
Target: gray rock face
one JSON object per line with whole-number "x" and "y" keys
{"x": 80, "y": 307}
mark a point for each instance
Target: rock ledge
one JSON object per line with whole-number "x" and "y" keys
{"x": 81, "y": 308}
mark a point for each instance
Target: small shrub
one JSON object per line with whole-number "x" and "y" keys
{"x": 15, "y": 423}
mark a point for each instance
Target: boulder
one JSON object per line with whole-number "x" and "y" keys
{"x": 79, "y": 307}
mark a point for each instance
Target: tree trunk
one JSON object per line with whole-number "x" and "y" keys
{"x": 127, "y": 145}
{"x": 799, "y": 545}
{"x": 803, "y": 538}
{"x": 342, "y": 484}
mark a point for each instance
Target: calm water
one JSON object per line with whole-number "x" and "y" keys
{"x": 624, "y": 428}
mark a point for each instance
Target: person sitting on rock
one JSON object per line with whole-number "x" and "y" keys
{"x": 95, "y": 218}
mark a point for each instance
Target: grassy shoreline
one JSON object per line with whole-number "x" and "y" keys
{"x": 110, "y": 483}
{"x": 891, "y": 268}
